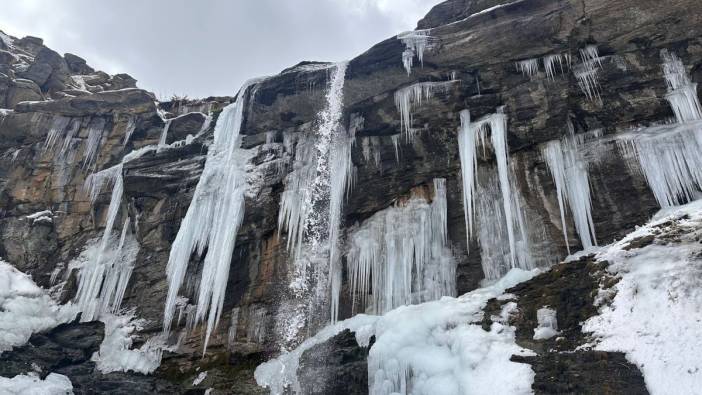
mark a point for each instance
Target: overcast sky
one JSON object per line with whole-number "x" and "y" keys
{"x": 208, "y": 47}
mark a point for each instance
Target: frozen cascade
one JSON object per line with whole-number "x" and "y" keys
{"x": 311, "y": 208}
{"x": 212, "y": 220}
{"x": 164, "y": 133}
{"x": 669, "y": 155}
{"x": 472, "y": 135}
{"x": 416, "y": 43}
{"x": 401, "y": 255}
{"x": 682, "y": 93}
{"x": 569, "y": 172}
{"x": 410, "y": 97}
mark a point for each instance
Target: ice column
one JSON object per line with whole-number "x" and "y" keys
{"x": 416, "y": 43}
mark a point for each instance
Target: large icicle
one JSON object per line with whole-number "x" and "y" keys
{"x": 410, "y": 97}
{"x": 569, "y": 172}
{"x": 400, "y": 255}
{"x": 212, "y": 220}
{"x": 472, "y": 135}
{"x": 587, "y": 72}
{"x": 416, "y": 43}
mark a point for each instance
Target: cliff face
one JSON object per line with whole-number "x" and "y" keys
{"x": 61, "y": 121}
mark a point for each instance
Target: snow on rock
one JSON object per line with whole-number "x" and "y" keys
{"x": 53, "y": 384}
{"x": 25, "y": 308}
{"x": 548, "y": 325}
{"x": 655, "y": 316}
{"x": 41, "y": 216}
{"x": 200, "y": 378}
{"x": 115, "y": 354}
{"x": 433, "y": 348}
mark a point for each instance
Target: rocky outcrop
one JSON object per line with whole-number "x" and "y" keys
{"x": 475, "y": 43}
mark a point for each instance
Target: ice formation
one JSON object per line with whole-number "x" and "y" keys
{"x": 32, "y": 384}
{"x": 410, "y": 97}
{"x": 655, "y": 315}
{"x": 569, "y": 172}
{"x": 115, "y": 353}
{"x": 400, "y": 255}
{"x": 528, "y": 67}
{"x": 416, "y": 43}
{"x": 550, "y": 61}
{"x": 212, "y": 221}
{"x": 682, "y": 92}
{"x": 129, "y": 129}
{"x": 669, "y": 155}
{"x": 547, "y": 324}
{"x": 25, "y": 308}
{"x": 103, "y": 279}
{"x": 471, "y": 136}
{"x": 437, "y": 347}
{"x": 311, "y": 208}
{"x": 587, "y": 72}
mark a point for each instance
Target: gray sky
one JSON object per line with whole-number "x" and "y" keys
{"x": 208, "y": 47}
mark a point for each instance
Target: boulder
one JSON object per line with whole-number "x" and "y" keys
{"x": 122, "y": 81}
{"x": 49, "y": 70}
{"x": 23, "y": 90}
{"x": 30, "y": 44}
{"x": 184, "y": 125}
{"x": 77, "y": 65}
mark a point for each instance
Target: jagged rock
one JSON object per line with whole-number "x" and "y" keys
{"x": 31, "y": 44}
{"x": 49, "y": 70}
{"x": 122, "y": 81}
{"x": 77, "y": 64}
{"x": 23, "y": 90}
{"x": 132, "y": 101}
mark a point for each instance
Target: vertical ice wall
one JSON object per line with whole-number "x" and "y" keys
{"x": 682, "y": 92}
{"x": 212, "y": 220}
{"x": 569, "y": 172}
{"x": 400, "y": 255}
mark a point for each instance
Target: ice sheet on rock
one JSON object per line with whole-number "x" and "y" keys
{"x": 32, "y": 384}
{"x": 401, "y": 256}
{"x": 655, "y": 316}
{"x": 547, "y": 324}
{"x": 25, "y": 308}
{"x": 116, "y": 353}
{"x": 411, "y": 97}
{"x": 212, "y": 220}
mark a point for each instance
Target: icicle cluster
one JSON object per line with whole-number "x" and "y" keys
{"x": 682, "y": 93}
{"x": 62, "y": 133}
{"x": 669, "y": 155}
{"x": 587, "y": 72}
{"x": 104, "y": 278}
{"x": 410, "y": 97}
{"x": 212, "y": 221}
{"x": 530, "y": 67}
{"x": 416, "y": 43}
{"x": 569, "y": 172}
{"x": 471, "y": 136}
{"x": 400, "y": 255}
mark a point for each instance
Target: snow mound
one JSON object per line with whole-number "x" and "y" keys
{"x": 54, "y": 384}
{"x": 655, "y": 317}
{"x": 25, "y": 308}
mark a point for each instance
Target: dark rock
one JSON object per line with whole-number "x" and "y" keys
{"x": 455, "y": 10}
{"x": 49, "y": 70}
{"x": 30, "y": 44}
{"x": 182, "y": 126}
{"x": 122, "y": 81}
{"x": 23, "y": 90}
{"x": 77, "y": 64}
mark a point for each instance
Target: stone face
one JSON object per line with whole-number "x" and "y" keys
{"x": 124, "y": 101}
{"x": 184, "y": 125}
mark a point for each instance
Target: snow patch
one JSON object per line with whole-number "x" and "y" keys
{"x": 31, "y": 384}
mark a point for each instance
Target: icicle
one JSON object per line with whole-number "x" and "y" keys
{"x": 410, "y": 97}
{"x": 92, "y": 144}
{"x": 164, "y": 134}
{"x": 528, "y": 67}
{"x": 682, "y": 92}
{"x": 416, "y": 42}
{"x": 212, "y": 221}
{"x": 469, "y": 165}
{"x": 587, "y": 72}
{"x": 129, "y": 129}
{"x": 401, "y": 256}
{"x": 56, "y": 131}
{"x": 550, "y": 64}
{"x": 569, "y": 172}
